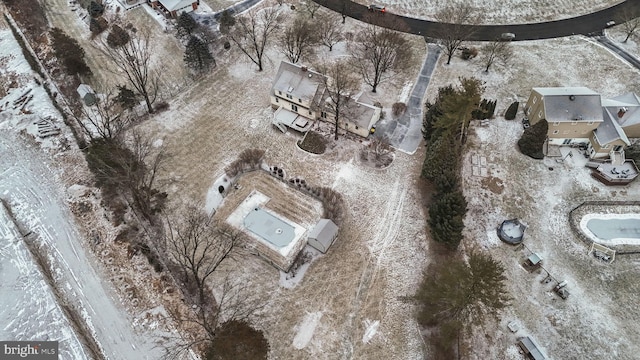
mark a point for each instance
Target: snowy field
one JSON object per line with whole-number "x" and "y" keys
{"x": 350, "y": 302}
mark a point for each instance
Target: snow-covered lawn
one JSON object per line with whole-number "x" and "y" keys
{"x": 500, "y": 11}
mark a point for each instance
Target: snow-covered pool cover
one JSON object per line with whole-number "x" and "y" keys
{"x": 613, "y": 229}
{"x": 255, "y": 200}
{"x": 269, "y": 227}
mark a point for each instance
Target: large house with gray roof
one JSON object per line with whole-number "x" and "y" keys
{"x": 299, "y": 96}
{"x": 578, "y": 115}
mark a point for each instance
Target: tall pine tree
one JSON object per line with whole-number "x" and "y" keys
{"x": 198, "y": 56}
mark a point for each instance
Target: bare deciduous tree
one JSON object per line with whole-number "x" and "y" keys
{"x": 329, "y": 32}
{"x": 133, "y": 59}
{"x": 311, "y": 7}
{"x": 630, "y": 26}
{"x": 340, "y": 83}
{"x": 198, "y": 246}
{"x": 252, "y": 33}
{"x": 297, "y": 40}
{"x": 106, "y": 119}
{"x": 500, "y": 51}
{"x": 377, "y": 51}
{"x": 459, "y": 17}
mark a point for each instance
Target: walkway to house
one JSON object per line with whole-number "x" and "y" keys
{"x": 405, "y": 132}
{"x": 604, "y": 40}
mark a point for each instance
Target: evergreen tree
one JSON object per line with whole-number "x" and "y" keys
{"x": 532, "y": 141}
{"x": 117, "y": 37}
{"x": 69, "y": 52}
{"x": 186, "y": 24}
{"x": 126, "y": 97}
{"x": 463, "y": 292}
{"x": 95, "y": 9}
{"x": 446, "y": 218}
{"x": 197, "y": 55}
{"x": 226, "y": 21}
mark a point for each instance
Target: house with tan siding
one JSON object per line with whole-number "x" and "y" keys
{"x": 173, "y": 8}
{"x": 579, "y": 115}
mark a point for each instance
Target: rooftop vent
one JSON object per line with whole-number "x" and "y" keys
{"x": 572, "y": 97}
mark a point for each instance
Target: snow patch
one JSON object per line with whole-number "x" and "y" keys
{"x": 370, "y": 332}
{"x": 406, "y": 90}
{"x": 306, "y": 329}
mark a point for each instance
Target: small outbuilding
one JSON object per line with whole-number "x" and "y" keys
{"x": 323, "y": 235}
{"x": 86, "y": 94}
{"x": 530, "y": 348}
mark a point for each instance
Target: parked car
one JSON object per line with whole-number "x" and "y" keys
{"x": 377, "y": 8}
{"x": 610, "y": 24}
{"x": 507, "y": 36}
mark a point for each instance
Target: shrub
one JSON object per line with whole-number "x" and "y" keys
{"x": 97, "y": 25}
{"x": 332, "y": 203}
{"x": 248, "y": 160}
{"x": 95, "y": 9}
{"x": 69, "y": 52}
{"x": 446, "y": 218}
{"x": 469, "y": 53}
{"x": 161, "y": 106}
{"x": 532, "y": 141}
{"x": 398, "y": 108}
{"x": 485, "y": 110}
{"x": 512, "y": 111}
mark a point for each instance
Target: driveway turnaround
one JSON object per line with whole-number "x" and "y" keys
{"x": 405, "y": 132}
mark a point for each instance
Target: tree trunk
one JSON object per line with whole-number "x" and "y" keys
{"x": 628, "y": 36}
{"x": 344, "y": 18}
{"x": 148, "y": 102}
{"x": 375, "y": 86}
{"x": 449, "y": 56}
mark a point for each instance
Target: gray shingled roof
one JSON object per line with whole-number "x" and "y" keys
{"x": 536, "y": 354}
{"x": 631, "y": 102}
{"x": 609, "y": 130}
{"x": 176, "y": 4}
{"x": 301, "y": 84}
{"x": 571, "y": 104}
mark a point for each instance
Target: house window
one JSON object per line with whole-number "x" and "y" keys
{"x": 323, "y": 115}
{"x": 590, "y": 123}
{"x": 606, "y": 146}
{"x": 279, "y": 92}
{"x": 566, "y": 142}
{"x": 356, "y": 127}
{"x": 294, "y": 108}
{"x": 555, "y": 132}
{"x": 528, "y": 111}
{"x": 556, "y": 123}
{"x": 289, "y": 96}
{"x": 540, "y": 114}
{"x": 277, "y": 99}
{"x": 299, "y": 100}
{"x": 617, "y": 148}
{"x": 535, "y": 99}
{"x": 310, "y": 113}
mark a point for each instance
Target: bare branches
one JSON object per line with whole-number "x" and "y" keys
{"x": 630, "y": 27}
{"x": 329, "y": 32}
{"x": 133, "y": 59}
{"x": 340, "y": 83}
{"x": 252, "y": 33}
{"x": 496, "y": 51}
{"x": 311, "y": 7}
{"x": 297, "y": 40}
{"x": 460, "y": 16}
{"x": 377, "y": 51}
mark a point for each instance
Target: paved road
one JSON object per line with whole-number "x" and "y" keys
{"x": 586, "y": 24}
{"x": 405, "y": 133}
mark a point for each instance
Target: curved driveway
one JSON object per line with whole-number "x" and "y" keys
{"x": 585, "y": 24}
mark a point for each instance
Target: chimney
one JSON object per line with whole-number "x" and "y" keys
{"x": 304, "y": 68}
{"x": 622, "y": 111}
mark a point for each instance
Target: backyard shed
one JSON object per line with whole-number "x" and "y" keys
{"x": 86, "y": 94}
{"x": 323, "y": 234}
{"x": 530, "y": 348}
